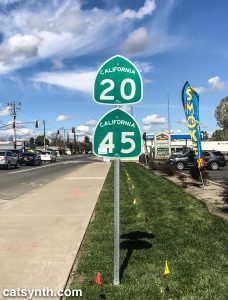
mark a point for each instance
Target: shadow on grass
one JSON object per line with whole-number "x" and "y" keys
{"x": 133, "y": 241}
{"x": 224, "y": 210}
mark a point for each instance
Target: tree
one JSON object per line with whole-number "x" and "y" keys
{"x": 31, "y": 140}
{"x": 87, "y": 144}
{"x": 205, "y": 135}
{"x": 219, "y": 135}
{"x": 221, "y": 114}
{"x": 40, "y": 141}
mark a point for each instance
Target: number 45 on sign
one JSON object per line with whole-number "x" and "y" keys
{"x": 117, "y": 135}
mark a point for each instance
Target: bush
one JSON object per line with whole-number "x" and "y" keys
{"x": 168, "y": 168}
{"x": 182, "y": 178}
{"x": 142, "y": 159}
{"x": 195, "y": 173}
{"x": 225, "y": 191}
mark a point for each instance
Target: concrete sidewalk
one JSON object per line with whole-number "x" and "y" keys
{"x": 41, "y": 231}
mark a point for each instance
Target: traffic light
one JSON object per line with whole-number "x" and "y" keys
{"x": 73, "y": 129}
{"x": 144, "y": 136}
{"x": 58, "y": 132}
{"x": 14, "y": 125}
{"x": 36, "y": 124}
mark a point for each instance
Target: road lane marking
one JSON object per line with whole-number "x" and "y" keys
{"x": 85, "y": 178}
{"x": 51, "y": 165}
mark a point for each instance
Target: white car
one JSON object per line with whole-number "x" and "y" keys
{"x": 48, "y": 156}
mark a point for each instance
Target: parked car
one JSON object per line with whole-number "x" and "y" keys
{"x": 30, "y": 158}
{"x": 8, "y": 159}
{"x": 214, "y": 160}
{"x": 48, "y": 156}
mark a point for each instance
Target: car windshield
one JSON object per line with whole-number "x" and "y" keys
{"x": 217, "y": 153}
{"x": 2, "y": 153}
{"x": 28, "y": 154}
{"x": 46, "y": 153}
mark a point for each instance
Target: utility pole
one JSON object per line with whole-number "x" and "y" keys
{"x": 75, "y": 148}
{"x": 168, "y": 114}
{"x": 13, "y": 108}
{"x": 44, "y": 123}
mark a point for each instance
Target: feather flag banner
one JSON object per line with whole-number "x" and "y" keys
{"x": 190, "y": 99}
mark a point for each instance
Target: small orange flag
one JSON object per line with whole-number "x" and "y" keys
{"x": 98, "y": 279}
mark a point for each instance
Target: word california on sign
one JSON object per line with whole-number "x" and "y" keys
{"x": 190, "y": 99}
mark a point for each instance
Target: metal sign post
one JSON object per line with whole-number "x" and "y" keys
{"x": 116, "y": 279}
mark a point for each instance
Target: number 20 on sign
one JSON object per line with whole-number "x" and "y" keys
{"x": 118, "y": 82}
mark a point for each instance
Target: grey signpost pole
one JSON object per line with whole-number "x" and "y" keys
{"x": 116, "y": 280}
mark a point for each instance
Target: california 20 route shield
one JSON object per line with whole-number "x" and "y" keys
{"x": 117, "y": 135}
{"x": 118, "y": 82}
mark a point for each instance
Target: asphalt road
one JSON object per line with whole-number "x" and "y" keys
{"x": 217, "y": 176}
{"x": 220, "y": 175}
{"x": 16, "y": 182}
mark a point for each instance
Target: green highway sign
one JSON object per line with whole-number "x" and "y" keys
{"x": 117, "y": 135}
{"x": 118, "y": 82}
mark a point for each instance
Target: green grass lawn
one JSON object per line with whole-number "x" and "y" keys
{"x": 164, "y": 224}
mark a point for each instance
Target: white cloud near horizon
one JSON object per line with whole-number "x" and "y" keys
{"x": 4, "y": 111}
{"x": 153, "y": 119}
{"x": 62, "y": 118}
{"x": 91, "y": 122}
{"x": 147, "y": 127}
{"x": 83, "y": 129}
{"x": 215, "y": 84}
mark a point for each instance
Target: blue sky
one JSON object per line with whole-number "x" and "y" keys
{"x": 50, "y": 52}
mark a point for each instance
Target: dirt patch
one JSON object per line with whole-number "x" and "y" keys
{"x": 211, "y": 194}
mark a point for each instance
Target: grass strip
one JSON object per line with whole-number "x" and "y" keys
{"x": 159, "y": 222}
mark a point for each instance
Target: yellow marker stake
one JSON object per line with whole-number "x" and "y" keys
{"x": 135, "y": 201}
{"x": 166, "y": 271}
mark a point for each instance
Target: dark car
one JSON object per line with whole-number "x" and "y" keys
{"x": 30, "y": 158}
{"x": 214, "y": 160}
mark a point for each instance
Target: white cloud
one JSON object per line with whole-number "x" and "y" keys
{"x": 59, "y": 30}
{"x": 91, "y": 122}
{"x": 137, "y": 41}
{"x": 147, "y": 127}
{"x": 153, "y": 119}
{"x": 4, "y": 111}
{"x": 83, "y": 129}
{"x": 147, "y": 9}
{"x": 144, "y": 67}
{"x": 182, "y": 121}
{"x": 200, "y": 89}
{"x": 62, "y": 118}
{"x": 57, "y": 64}
{"x": 81, "y": 81}
{"x": 127, "y": 108}
{"x": 216, "y": 84}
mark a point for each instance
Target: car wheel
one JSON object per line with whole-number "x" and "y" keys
{"x": 214, "y": 166}
{"x": 16, "y": 165}
{"x": 180, "y": 166}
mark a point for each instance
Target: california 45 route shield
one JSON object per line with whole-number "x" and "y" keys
{"x": 117, "y": 135}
